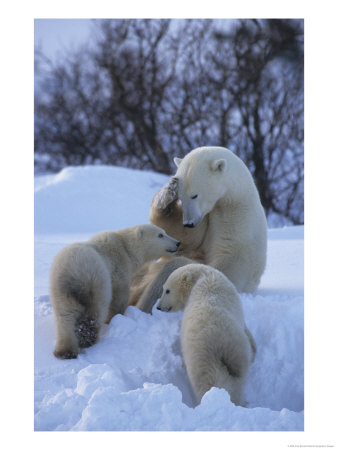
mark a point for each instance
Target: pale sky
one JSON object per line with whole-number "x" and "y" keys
{"x": 58, "y": 35}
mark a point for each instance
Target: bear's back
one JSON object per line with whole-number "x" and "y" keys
{"x": 213, "y": 296}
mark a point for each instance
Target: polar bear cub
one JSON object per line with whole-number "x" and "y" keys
{"x": 217, "y": 347}
{"x": 89, "y": 281}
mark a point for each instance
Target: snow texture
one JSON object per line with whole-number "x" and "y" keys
{"x": 133, "y": 379}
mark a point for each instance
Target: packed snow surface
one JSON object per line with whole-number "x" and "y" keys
{"x": 134, "y": 378}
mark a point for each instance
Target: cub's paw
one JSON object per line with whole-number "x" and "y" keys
{"x": 86, "y": 332}
{"x": 65, "y": 354}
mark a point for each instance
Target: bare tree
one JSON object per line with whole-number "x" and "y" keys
{"x": 261, "y": 78}
{"x": 138, "y": 83}
{"x": 149, "y": 90}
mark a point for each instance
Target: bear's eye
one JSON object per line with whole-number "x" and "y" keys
{"x": 194, "y": 196}
{"x": 167, "y": 291}
{"x": 160, "y": 235}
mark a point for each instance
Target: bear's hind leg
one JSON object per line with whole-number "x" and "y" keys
{"x": 234, "y": 360}
{"x": 67, "y": 346}
{"x": 252, "y": 343}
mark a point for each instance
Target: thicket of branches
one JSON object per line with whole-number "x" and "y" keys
{"x": 145, "y": 91}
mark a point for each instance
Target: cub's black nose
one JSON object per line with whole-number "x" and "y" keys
{"x": 189, "y": 225}
{"x": 158, "y": 308}
{"x": 178, "y": 244}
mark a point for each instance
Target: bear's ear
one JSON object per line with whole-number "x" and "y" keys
{"x": 177, "y": 161}
{"x": 218, "y": 165}
{"x": 186, "y": 277}
{"x": 140, "y": 233}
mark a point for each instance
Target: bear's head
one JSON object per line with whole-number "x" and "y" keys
{"x": 204, "y": 176}
{"x": 154, "y": 241}
{"x": 177, "y": 288}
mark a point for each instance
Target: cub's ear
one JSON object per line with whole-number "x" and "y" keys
{"x": 139, "y": 233}
{"x": 177, "y": 161}
{"x": 218, "y": 165}
{"x": 186, "y": 277}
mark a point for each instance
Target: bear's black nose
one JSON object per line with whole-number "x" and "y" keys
{"x": 178, "y": 244}
{"x": 189, "y": 225}
{"x": 158, "y": 308}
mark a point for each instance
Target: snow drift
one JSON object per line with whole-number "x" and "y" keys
{"x": 134, "y": 378}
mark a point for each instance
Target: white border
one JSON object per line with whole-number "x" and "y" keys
{"x": 17, "y": 219}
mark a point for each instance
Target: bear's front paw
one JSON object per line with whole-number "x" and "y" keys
{"x": 67, "y": 354}
{"x": 166, "y": 196}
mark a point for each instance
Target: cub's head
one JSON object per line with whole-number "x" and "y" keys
{"x": 155, "y": 241}
{"x": 201, "y": 177}
{"x": 177, "y": 288}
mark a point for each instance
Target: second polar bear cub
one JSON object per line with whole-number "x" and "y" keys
{"x": 90, "y": 281}
{"x": 217, "y": 346}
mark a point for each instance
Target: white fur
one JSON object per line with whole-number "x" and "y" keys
{"x": 225, "y": 224}
{"x": 89, "y": 281}
{"x": 217, "y": 347}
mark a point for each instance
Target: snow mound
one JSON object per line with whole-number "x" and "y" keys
{"x": 93, "y": 198}
{"x": 134, "y": 379}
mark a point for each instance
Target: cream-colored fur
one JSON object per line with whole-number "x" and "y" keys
{"x": 89, "y": 281}
{"x": 213, "y": 207}
{"x": 147, "y": 283}
{"x": 217, "y": 347}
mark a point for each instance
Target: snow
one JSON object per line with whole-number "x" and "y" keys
{"x": 133, "y": 379}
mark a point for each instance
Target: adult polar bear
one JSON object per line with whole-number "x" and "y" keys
{"x": 213, "y": 207}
